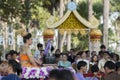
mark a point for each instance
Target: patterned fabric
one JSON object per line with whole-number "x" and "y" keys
{"x": 29, "y": 72}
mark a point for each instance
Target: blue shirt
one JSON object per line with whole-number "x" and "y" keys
{"x": 64, "y": 64}
{"x": 11, "y": 77}
{"x": 80, "y": 76}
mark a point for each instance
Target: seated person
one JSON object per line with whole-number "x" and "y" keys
{"x": 26, "y": 57}
{"x": 64, "y": 62}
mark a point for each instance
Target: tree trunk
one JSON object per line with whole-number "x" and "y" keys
{"x": 61, "y": 8}
{"x": 61, "y": 15}
{"x": 90, "y": 10}
{"x": 105, "y": 22}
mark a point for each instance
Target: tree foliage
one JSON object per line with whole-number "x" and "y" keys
{"x": 97, "y": 8}
{"x": 10, "y": 9}
{"x": 115, "y": 5}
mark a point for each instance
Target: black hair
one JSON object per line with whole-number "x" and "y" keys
{"x": 93, "y": 57}
{"x": 81, "y": 64}
{"x": 15, "y": 66}
{"x": 72, "y": 49}
{"x": 62, "y": 54}
{"x": 54, "y": 74}
{"x": 87, "y": 51}
{"x": 57, "y": 50}
{"x": 81, "y": 53}
{"x": 94, "y": 68}
{"x": 117, "y": 56}
{"x": 6, "y": 55}
{"x": 110, "y": 65}
{"x": 117, "y": 65}
{"x": 26, "y": 37}
{"x": 102, "y": 46}
{"x": 107, "y": 52}
{"x": 66, "y": 75}
{"x": 39, "y": 45}
{"x": 62, "y": 74}
{"x": 12, "y": 52}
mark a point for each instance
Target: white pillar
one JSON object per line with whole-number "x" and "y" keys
{"x": 95, "y": 45}
{"x": 69, "y": 42}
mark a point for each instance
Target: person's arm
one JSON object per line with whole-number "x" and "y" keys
{"x": 31, "y": 57}
{"x": 38, "y": 61}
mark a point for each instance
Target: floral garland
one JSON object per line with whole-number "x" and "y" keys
{"x": 42, "y": 72}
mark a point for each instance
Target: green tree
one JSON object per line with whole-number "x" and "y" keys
{"x": 97, "y": 8}
{"x": 10, "y": 9}
{"x": 115, "y": 5}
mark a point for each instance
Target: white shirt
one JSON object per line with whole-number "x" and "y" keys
{"x": 37, "y": 54}
{"x": 101, "y": 64}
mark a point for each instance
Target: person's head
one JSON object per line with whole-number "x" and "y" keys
{"x": 101, "y": 54}
{"x": 82, "y": 54}
{"x": 93, "y": 53}
{"x": 109, "y": 67}
{"x": 57, "y": 51}
{"x": 118, "y": 67}
{"x": 94, "y": 69}
{"x": 14, "y": 54}
{"x": 64, "y": 56}
{"x": 87, "y": 53}
{"x": 94, "y": 58}
{"x": 82, "y": 66}
{"x": 66, "y": 75}
{"x": 27, "y": 39}
{"x": 115, "y": 57}
{"x": 72, "y": 51}
{"x": 61, "y": 74}
{"x": 107, "y": 55}
{"x": 14, "y": 67}
{"x": 77, "y": 57}
{"x": 54, "y": 74}
{"x": 8, "y": 56}
{"x": 39, "y": 46}
{"x": 102, "y": 47}
{"x": 4, "y": 68}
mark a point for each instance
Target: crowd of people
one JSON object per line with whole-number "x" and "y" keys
{"x": 104, "y": 65}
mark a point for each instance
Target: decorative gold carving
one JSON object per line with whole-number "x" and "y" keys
{"x": 71, "y": 23}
